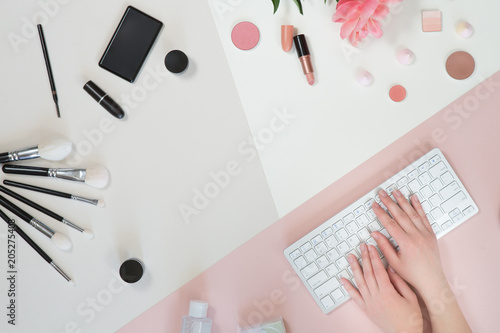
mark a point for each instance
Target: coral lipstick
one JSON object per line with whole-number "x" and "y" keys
{"x": 304, "y": 57}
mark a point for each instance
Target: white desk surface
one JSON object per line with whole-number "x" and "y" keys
{"x": 180, "y": 128}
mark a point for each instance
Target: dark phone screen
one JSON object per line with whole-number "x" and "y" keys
{"x": 130, "y": 45}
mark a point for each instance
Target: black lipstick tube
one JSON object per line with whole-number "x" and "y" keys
{"x": 103, "y": 99}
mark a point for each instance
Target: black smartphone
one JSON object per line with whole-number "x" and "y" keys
{"x": 130, "y": 44}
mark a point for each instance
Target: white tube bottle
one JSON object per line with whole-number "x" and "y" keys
{"x": 197, "y": 321}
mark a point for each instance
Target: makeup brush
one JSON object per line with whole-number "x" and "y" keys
{"x": 95, "y": 202}
{"x": 35, "y": 246}
{"x": 59, "y": 240}
{"x": 52, "y": 150}
{"x": 97, "y": 176}
{"x": 86, "y": 233}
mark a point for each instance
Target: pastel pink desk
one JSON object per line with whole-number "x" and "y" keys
{"x": 256, "y": 283}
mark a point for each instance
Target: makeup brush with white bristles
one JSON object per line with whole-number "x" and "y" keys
{"x": 97, "y": 176}
{"x": 52, "y": 150}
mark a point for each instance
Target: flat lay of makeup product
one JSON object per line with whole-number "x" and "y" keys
{"x": 58, "y": 239}
{"x": 35, "y": 247}
{"x": 304, "y": 57}
{"x": 95, "y": 202}
{"x": 51, "y": 150}
{"x": 104, "y": 100}
{"x": 96, "y": 176}
{"x": 87, "y": 233}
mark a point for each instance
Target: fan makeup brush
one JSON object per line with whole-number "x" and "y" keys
{"x": 86, "y": 233}
{"x": 97, "y": 176}
{"x": 58, "y": 239}
{"x": 52, "y": 150}
{"x": 35, "y": 246}
{"x": 95, "y": 202}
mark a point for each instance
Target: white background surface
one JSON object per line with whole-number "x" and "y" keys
{"x": 339, "y": 124}
{"x": 187, "y": 126}
{"x": 184, "y": 127}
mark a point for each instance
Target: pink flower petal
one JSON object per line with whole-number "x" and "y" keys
{"x": 374, "y": 28}
{"x": 390, "y": 2}
{"x": 342, "y": 11}
{"x": 380, "y": 13}
{"x": 347, "y": 28}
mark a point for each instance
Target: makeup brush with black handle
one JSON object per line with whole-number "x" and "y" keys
{"x": 52, "y": 150}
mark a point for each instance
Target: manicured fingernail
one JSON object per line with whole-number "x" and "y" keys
{"x": 397, "y": 193}
{"x": 350, "y": 258}
{"x": 370, "y": 249}
{"x": 362, "y": 246}
{"x": 375, "y": 235}
{"x": 383, "y": 193}
{"x": 342, "y": 282}
{"x": 375, "y": 204}
{"x": 415, "y": 198}
{"x": 392, "y": 270}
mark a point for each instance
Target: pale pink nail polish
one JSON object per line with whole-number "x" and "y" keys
{"x": 383, "y": 193}
{"x": 397, "y": 193}
{"x": 415, "y": 198}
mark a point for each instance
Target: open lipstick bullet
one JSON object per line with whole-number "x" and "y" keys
{"x": 304, "y": 57}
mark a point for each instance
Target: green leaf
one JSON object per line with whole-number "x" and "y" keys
{"x": 276, "y": 4}
{"x": 299, "y": 5}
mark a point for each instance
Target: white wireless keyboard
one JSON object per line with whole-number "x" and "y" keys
{"x": 320, "y": 257}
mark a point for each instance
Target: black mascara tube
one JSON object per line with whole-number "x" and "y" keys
{"x": 104, "y": 100}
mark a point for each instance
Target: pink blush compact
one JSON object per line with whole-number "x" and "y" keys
{"x": 245, "y": 35}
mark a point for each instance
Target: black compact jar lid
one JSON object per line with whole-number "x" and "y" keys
{"x": 176, "y": 61}
{"x": 131, "y": 270}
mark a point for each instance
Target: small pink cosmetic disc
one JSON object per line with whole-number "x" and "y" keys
{"x": 460, "y": 65}
{"x": 397, "y": 93}
{"x": 245, "y": 35}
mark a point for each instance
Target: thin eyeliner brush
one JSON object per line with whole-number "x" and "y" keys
{"x": 46, "y": 211}
{"x": 35, "y": 246}
{"x": 49, "y": 68}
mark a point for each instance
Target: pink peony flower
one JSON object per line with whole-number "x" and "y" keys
{"x": 361, "y": 17}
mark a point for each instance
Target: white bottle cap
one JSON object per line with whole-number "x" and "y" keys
{"x": 198, "y": 309}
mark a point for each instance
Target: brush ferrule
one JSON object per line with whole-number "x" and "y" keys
{"x": 24, "y": 154}
{"x": 42, "y": 228}
{"x": 53, "y": 264}
{"x": 72, "y": 225}
{"x": 90, "y": 201}
{"x": 68, "y": 174}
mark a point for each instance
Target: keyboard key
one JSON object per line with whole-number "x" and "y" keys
{"x": 429, "y": 217}
{"x": 371, "y": 241}
{"x": 353, "y": 241}
{"x": 385, "y": 233}
{"x": 435, "y": 159}
{"x": 337, "y": 225}
{"x": 424, "y": 178}
{"x": 413, "y": 174}
{"x": 363, "y": 220}
{"x": 358, "y": 211}
{"x": 459, "y": 218}
{"x": 333, "y": 254}
{"x": 363, "y": 234}
{"x": 414, "y": 185}
{"x": 341, "y": 234}
{"x": 453, "y": 202}
{"x": 446, "y": 225}
{"x": 423, "y": 167}
{"x": 437, "y": 213}
{"x": 343, "y": 248}
{"x": 435, "y": 200}
{"x": 369, "y": 203}
{"x": 447, "y": 178}
{"x": 354, "y": 253}
{"x": 371, "y": 215}
{"x": 332, "y": 270}
{"x": 349, "y": 217}
{"x": 405, "y": 192}
{"x": 316, "y": 240}
{"x": 327, "y": 287}
{"x": 390, "y": 189}
{"x": 352, "y": 227}
{"x": 338, "y": 295}
{"x": 468, "y": 211}
{"x": 436, "y": 228}
{"x": 426, "y": 206}
{"x": 327, "y": 232}
{"x": 449, "y": 190}
{"x": 344, "y": 274}
{"x": 309, "y": 270}
{"x": 295, "y": 254}
{"x": 331, "y": 241}
{"x": 438, "y": 169}
{"x": 426, "y": 192}
{"x": 374, "y": 226}
{"x": 317, "y": 279}
{"x": 327, "y": 302}
{"x": 310, "y": 255}
{"x": 300, "y": 262}
{"x": 306, "y": 246}
{"x": 437, "y": 184}
{"x": 321, "y": 248}
{"x": 342, "y": 263}
{"x": 454, "y": 213}
{"x": 401, "y": 182}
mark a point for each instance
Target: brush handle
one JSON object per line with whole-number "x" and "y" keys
{"x": 37, "y": 189}
{"x": 16, "y": 210}
{"x": 25, "y": 237}
{"x": 4, "y": 158}
{"x": 25, "y": 170}
{"x": 31, "y": 203}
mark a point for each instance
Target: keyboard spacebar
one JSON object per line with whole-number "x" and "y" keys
{"x": 453, "y": 202}
{"x": 327, "y": 287}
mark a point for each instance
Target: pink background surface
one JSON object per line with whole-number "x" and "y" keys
{"x": 255, "y": 282}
